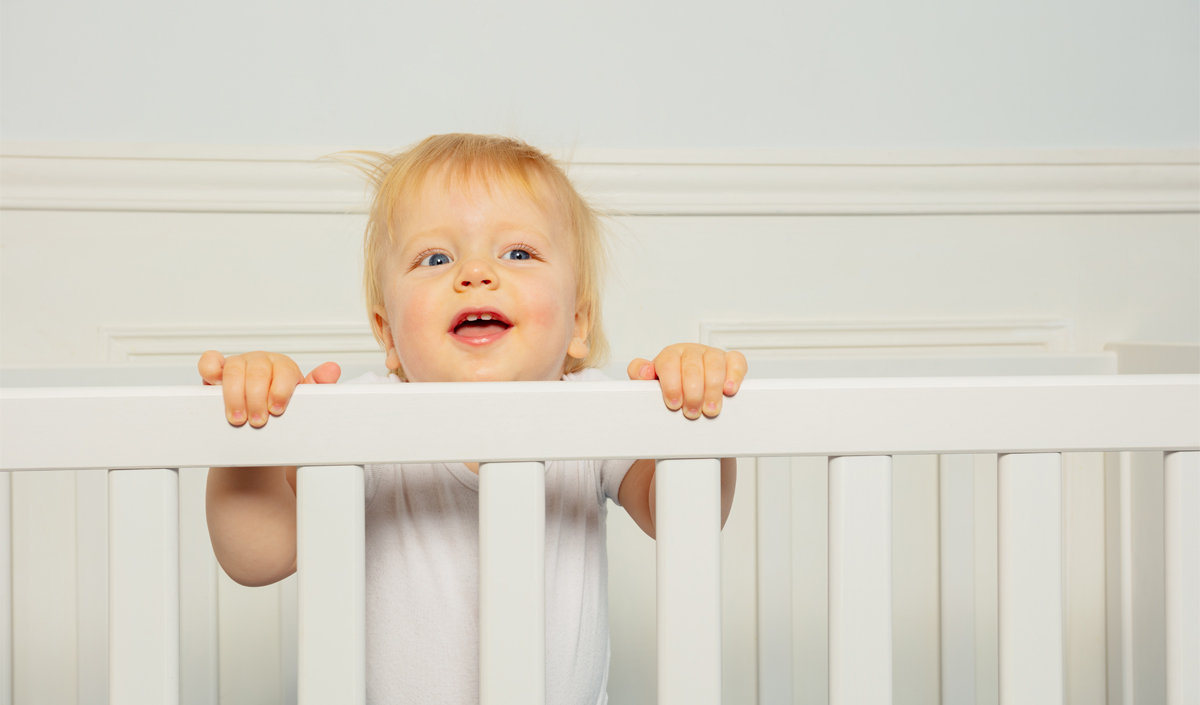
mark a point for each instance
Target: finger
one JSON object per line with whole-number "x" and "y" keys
{"x": 735, "y": 371}
{"x": 666, "y": 367}
{"x": 258, "y": 385}
{"x": 640, "y": 369}
{"x": 324, "y": 373}
{"x": 233, "y": 388}
{"x": 285, "y": 375}
{"x": 714, "y": 380}
{"x": 691, "y": 369}
{"x": 210, "y": 365}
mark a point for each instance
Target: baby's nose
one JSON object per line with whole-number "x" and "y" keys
{"x": 476, "y": 273}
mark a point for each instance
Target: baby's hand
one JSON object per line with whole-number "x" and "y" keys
{"x": 692, "y": 375}
{"x": 257, "y": 383}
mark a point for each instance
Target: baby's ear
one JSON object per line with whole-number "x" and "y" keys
{"x": 578, "y": 348}
{"x": 383, "y": 331}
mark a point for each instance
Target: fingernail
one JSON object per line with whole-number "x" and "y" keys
{"x": 711, "y": 406}
{"x": 693, "y": 413}
{"x": 676, "y": 403}
{"x": 729, "y": 386}
{"x": 277, "y": 409}
{"x": 255, "y": 419}
{"x": 646, "y": 369}
{"x": 237, "y": 417}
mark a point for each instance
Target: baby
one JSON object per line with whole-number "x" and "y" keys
{"x": 483, "y": 263}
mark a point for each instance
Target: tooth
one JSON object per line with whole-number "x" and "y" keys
{"x": 486, "y": 316}
{"x": 471, "y": 318}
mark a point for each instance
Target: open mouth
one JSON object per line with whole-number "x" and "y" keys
{"x": 479, "y": 326}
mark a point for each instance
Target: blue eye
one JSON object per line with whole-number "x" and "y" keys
{"x": 517, "y": 254}
{"x": 435, "y": 259}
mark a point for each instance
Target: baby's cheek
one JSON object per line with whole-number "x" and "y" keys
{"x": 413, "y": 331}
{"x": 548, "y": 307}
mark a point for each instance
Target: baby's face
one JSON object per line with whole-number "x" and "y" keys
{"x": 479, "y": 287}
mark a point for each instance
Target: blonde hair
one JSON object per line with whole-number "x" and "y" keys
{"x": 495, "y": 161}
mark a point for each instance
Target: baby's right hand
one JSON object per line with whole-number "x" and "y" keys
{"x": 257, "y": 383}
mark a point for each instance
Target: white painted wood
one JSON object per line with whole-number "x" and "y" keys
{"x": 1031, "y": 593}
{"x": 956, "y": 504}
{"x": 199, "y": 675}
{"x": 842, "y": 339}
{"x": 775, "y": 580}
{"x": 687, "y": 528}
{"x": 987, "y": 581}
{"x": 637, "y": 182}
{"x": 739, "y": 592}
{"x": 6, "y": 593}
{"x": 1136, "y": 618}
{"x": 1127, "y": 651}
{"x": 1182, "y": 522}
{"x": 1029, "y": 414}
{"x": 1114, "y": 568}
{"x": 1085, "y": 669}
{"x": 893, "y": 248}
{"x": 44, "y": 588}
{"x": 143, "y": 590}
{"x": 1156, "y": 358}
{"x": 860, "y": 580}
{"x": 331, "y": 589}
{"x": 931, "y": 362}
{"x": 183, "y": 344}
{"x": 512, "y": 583}
{"x": 916, "y": 619}
{"x": 810, "y": 580}
{"x": 91, "y": 557}
{"x": 1147, "y": 625}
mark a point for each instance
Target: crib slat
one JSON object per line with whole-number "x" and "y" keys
{"x": 956, "y": 483}
{"x": 688, "y": 548}
{"x": 331, "y": 584}
{"x": 775, "y": 580}
{"x": 6, "y": 596}
{"x": 143, "y": 588}
{"x": 91, "y": 595}
{"x": 860, "y": 580}
{"x": 1031, "y": 590}
{"x": 512, "y": 583}
{"x": 1182, "y": 490}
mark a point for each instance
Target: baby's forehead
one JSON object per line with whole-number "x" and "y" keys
{"x": 444, "y": 201}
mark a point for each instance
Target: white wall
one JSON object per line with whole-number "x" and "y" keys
{"x": 757, "y": 74}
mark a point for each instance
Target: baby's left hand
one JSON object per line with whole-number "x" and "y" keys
{"x": 693, "y": 376}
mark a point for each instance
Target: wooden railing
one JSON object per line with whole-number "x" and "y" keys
{"x": 512, "y": 428}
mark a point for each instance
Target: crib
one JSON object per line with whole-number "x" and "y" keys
{"x": 512, "y": 428}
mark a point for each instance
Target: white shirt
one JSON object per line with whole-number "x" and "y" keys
{"x": 422, "y": 601}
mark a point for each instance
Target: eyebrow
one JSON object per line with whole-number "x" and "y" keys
{"x": 445, "y": 230}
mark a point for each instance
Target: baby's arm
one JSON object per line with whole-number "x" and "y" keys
{"x": 252, "y": 511}
{"x": 694, "y": 378}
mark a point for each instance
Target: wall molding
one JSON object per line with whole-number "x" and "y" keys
{"x": 349, "y": 342}
{"x": 264, "y": 179}
{"x": 353, "y": 342}
{"x": 900, "y": 338}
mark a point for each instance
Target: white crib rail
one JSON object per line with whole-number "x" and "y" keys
{"x": 1029, "y": 420}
